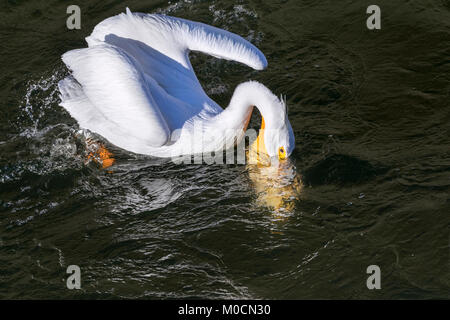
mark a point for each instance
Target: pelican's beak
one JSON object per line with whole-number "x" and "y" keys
{"x": 258, "y": 152}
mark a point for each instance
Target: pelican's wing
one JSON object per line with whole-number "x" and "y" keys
{"x": 116, "y": 94}
{"x": 162, "y": 44}
{"x": 135, "y": 84}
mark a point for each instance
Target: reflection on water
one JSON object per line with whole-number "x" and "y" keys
{"x": 278, "y": 186}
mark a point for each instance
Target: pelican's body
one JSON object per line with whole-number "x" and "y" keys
{"x": 135, "y": 86}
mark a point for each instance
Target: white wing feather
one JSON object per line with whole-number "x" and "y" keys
{"x": 119, "y": 91}
{"x": 174, "y": 37}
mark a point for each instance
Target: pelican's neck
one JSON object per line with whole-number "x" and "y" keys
{"x": 246, "y": 96}
{"x": 235, "y": 118}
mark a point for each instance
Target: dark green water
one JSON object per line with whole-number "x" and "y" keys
{"x": 371, "y": 115}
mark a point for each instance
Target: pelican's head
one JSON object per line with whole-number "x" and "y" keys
{"x": 279, "y": 137}
{"x": 276, "y": 138}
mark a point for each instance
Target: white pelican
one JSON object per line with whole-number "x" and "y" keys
{"x": 135, "y": 86}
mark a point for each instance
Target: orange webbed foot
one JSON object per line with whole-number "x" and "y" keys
{"x": 100, "y": 154}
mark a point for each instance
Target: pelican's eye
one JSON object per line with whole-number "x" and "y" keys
{"x": 281, "y": 153}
